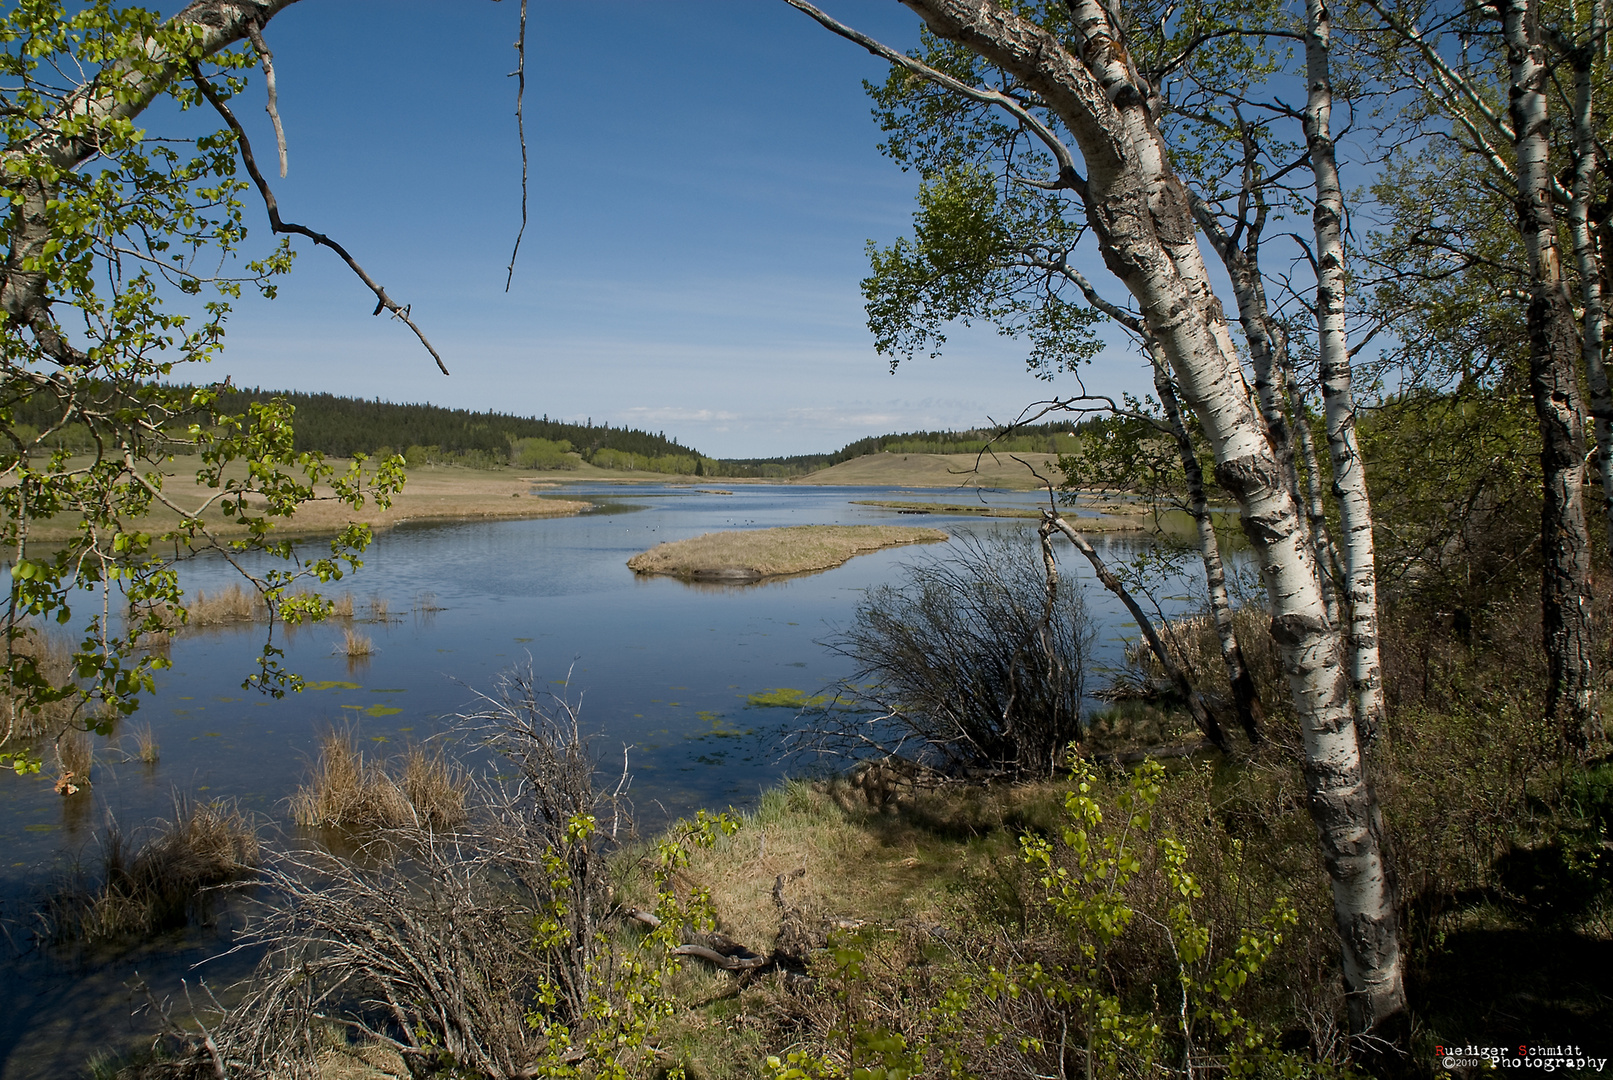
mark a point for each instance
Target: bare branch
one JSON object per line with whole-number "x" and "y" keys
{"x": 254, "y": 33}
{"x": 276, "y": 223}
{"x": 1068, "y": 176}
{"x": 520, "y": 128}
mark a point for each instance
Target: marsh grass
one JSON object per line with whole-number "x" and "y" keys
{"x": 378, "y": 610}
{"x": 75, "y": 760}
{"x": 54, "y": 661}
{"x": 752, "y": 554}
{"x": 225, "y": 606}
{"x": 354, "y": 645}
{"x": 347, "y": 790}
{"x": 160, "y": 884}
{"x": 145, "y": 745}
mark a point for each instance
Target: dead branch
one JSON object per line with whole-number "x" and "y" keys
{"x": 254, "y": 33}
{"x": 1202, "y": 716}
{"x": 520, "y": 128}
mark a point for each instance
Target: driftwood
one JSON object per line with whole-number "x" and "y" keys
{"x": 798, "y": 937}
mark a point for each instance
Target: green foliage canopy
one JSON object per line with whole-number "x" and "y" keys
{"x": 116, "y": 280}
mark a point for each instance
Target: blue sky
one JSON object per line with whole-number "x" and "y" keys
{"x": 704, "y": 176}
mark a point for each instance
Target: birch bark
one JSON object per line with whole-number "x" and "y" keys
{"x": 1553, "y": 348}
{"x": 1245, "y": 700}
{"x": 1589, "y": 260}
{"x": 1141, "y": 214}
{"x": 1349, "y": 470}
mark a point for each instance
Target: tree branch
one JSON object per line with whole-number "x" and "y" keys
{"x": 1068, "y": 176}
{"x": 383, "y": 302}
{"x": 254, "y": 34}
{"x": 520, "y": 128}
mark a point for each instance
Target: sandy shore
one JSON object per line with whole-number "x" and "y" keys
{"x": 431, "y": 494}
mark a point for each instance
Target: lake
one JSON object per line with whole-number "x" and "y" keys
{"x": 663, "y": 668}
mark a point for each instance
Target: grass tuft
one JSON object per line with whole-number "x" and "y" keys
{"x": 75, "y": 758}
{"x": 354, "y": 644}
{"x": 348, "y": 791}
{"x": 145, "y": 745}
{"x": 161, "y": 884}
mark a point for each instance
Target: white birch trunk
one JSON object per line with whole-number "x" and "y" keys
{"x": 1142, "y": 217}
{"x": 1589, "y": 264}
{"x": 1245, "y": 699}
{"x": 121, "y": 92}
{"x": 1360, "y": 584}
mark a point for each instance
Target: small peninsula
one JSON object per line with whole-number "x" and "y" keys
{"x": 754, "y": 554}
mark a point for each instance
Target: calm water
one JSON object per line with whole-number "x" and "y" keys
{"x": 658, "y": 666}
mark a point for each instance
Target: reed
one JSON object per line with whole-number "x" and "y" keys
{"x": 346, "y": 790}
{"x": 145, "y": 745}
{"x": 379, "y": 610}
{"x": 232, "y": 605}
{"x": 162, "y": 883}
{"x": 75, "y": 760}
{"x": 53, "y": 659}
{"x": 354, "y": 644}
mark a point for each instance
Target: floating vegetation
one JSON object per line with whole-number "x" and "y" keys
{"x": 784, "y": 697}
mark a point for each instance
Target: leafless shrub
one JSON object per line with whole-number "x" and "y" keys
{"x": 966, "y": 672}
{"x": 163, "y": 882}
{"x": 483, "y": 949}
{"x": 429, "y": 955}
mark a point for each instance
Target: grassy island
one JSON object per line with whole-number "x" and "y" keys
{"x": 754, "y": 554}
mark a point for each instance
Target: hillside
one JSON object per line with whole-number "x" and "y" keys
{"x": 939, "y": 471}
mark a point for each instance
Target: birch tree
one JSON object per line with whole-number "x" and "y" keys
{"x": 1073, "y": 85}
{"x": 1497, "y": 106}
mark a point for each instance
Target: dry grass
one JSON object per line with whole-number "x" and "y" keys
{"x": 378, "y": 610}
{"x": 346, "y": 790}
{"x": 432, "y": 494}
{"x": 1197, "y": 647}
{"x": 232, "y": 605}
{"x": 75, "y": 760}
{"x": 145, "y": 745}
{"x": 753, "y": 554}
{"x": 164, "y": 882}
{"x": 354, "y": 644}
{"x": 54, "y": 660}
